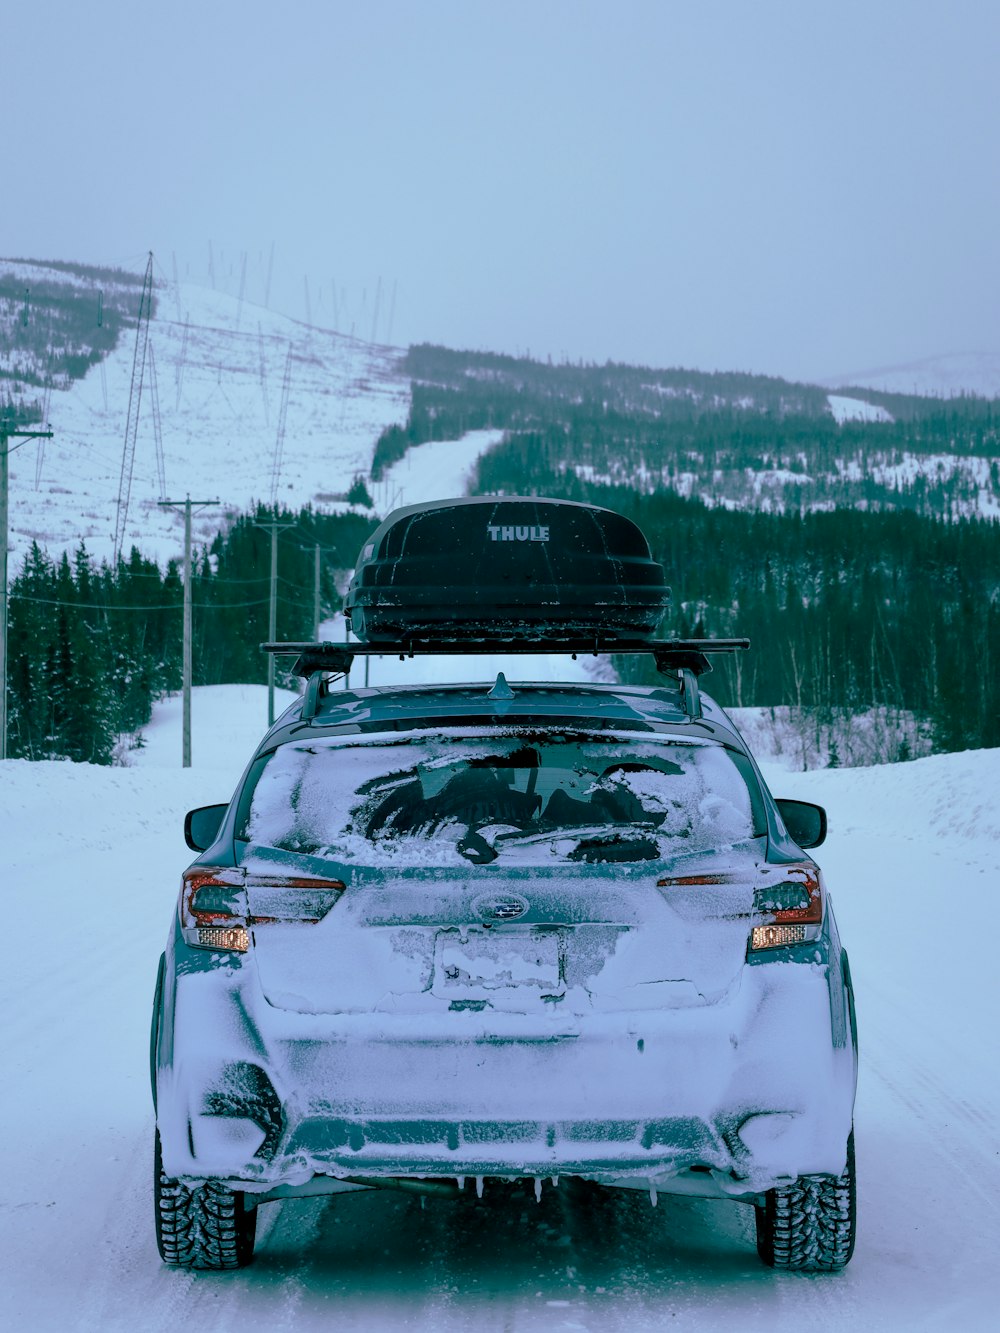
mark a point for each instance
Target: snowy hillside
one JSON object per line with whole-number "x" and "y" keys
{"x": 855, "y": 409}
{"x": 76, "y": 1122}
{"x": 220, "y": 366}
{"x": 220, "y": 370}
{"x": 945, "y": 376}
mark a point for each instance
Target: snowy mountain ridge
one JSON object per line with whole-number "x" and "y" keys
{"x": 227, "y": 373}
{"x": 947, "y": 376}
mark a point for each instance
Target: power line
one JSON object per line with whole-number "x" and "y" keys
{"x": 267, "y": 283}
{"x": 177, "y": 283}
{"x": 46, "y": 404}
{"x": 107, "y": 606}
{"x": 279, "y": 444}
{"x": 104, "y": 571}
{"x": 378, "y": 302}
{"x": 157, "y": 432}
{"x": 179, "y": 368}
{"x": 263, "y": 375}
{"x": 392, "y": 312}
{"x": 243, "y": 284}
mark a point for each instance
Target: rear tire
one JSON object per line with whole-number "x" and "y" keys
{"x": 810, "y": 1224}
{"x": 205, "y": 1227}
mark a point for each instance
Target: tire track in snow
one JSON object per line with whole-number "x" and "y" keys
{"x": 965, "y": 1152}
{"x": 895, "y": 1053}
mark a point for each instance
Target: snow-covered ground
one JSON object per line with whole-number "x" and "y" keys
{"x": 855, "y": 409}
{"x": 220, "y": 373}
{"x": 226, "y": 720}
{"x": 91, "y": 859}
{"x": 971, "y": 480}
{"x": 438, "y": 470}
{"x": 220, "y": 367}
{"x": 799, "y": 739}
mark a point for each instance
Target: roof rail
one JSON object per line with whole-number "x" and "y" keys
{"x": 688, "y": 657}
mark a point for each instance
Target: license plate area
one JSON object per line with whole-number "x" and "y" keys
{"x": 469, "y": 962}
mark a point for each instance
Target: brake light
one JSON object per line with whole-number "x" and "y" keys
{"x": 794, "y": 903}
{"x": 678, "y": 881}
{"x": 215, "y": 904}
{"x": 790, "y": 895}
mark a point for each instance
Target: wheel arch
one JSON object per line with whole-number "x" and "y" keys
{"x": 154, "y": 1026}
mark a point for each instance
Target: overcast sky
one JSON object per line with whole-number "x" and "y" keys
{"x": 796, "y": 187}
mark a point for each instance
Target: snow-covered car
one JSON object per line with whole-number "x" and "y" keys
{"x": 483, "y": 931}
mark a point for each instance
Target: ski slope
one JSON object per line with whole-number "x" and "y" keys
{"x": 91, "y": 859}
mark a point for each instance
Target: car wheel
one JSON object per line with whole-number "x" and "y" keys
{"x": 812, "y": 1223}
{"x": 205, "y": 1227}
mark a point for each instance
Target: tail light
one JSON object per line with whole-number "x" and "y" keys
{"x": 679, "y": 881}
{"x": 220, "y": 904}
{"x": 794, "y": 902}
{"x": 791, "y": 896}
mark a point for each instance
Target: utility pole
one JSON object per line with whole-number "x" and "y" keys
{"x": 187, "y": 505}
{"x": 274, "y": 527}
{"x": 315, "y": 593}
{"x": 7, "y": 433}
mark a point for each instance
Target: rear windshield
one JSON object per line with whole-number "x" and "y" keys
{"x": 455, "y": 799}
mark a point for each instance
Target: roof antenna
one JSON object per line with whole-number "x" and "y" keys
{"x": 501, "y": 690}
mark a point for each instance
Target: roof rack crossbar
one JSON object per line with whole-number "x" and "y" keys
{"x": 670, "y": 654}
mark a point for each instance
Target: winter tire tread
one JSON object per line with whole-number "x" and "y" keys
{"x": 812, "y": 1223}
{"x": 204, "y": 1227}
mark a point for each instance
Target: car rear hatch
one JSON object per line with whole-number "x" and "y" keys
{"x": 425, "y": 941}
{"x": 527, "y": 926}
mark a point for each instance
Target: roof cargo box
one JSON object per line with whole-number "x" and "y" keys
{"x": 514, "y": 566}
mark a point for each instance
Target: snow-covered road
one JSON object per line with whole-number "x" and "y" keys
{"x": 90, "y": 861}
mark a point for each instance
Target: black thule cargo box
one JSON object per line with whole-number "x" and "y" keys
{"x": 517, "y": 566}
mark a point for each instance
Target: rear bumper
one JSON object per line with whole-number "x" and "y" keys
{"x": 728, "y": 1099}
{"x": 690, "y": 1155}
